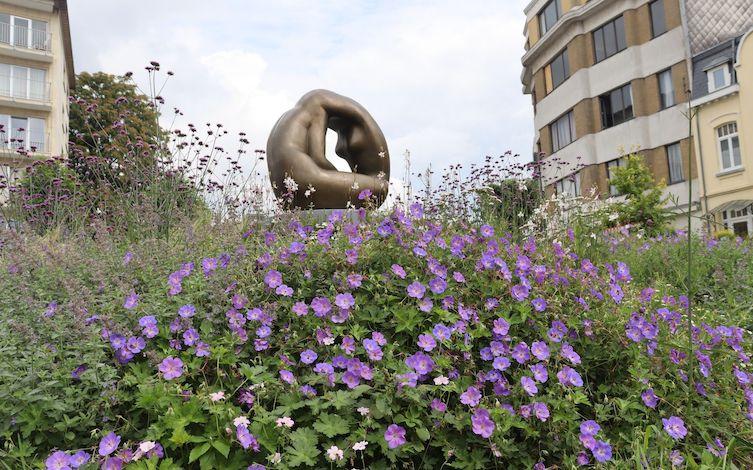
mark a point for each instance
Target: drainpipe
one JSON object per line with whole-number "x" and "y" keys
{"x": 704, "y": 199}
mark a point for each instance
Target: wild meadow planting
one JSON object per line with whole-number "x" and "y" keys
{"x": 164, "y": 320}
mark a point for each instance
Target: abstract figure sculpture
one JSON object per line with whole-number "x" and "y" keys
{"x": 302, "y": 176}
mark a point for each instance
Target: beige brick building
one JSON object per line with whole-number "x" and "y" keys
{"x": 36, "y": 75}
{"x": 610, "y": 77}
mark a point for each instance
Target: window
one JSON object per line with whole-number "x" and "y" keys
{"x": 616, "y": 106}
{"x": 666, "y": 89}
{"x": 611, "y": 165}
{"x": 23, "y": 32}
{"x": 563, "y": 131}
{"x": 549, "y": 16}
{"x": 609, "y": 39}
{"x": 718, "y": 77}
{"x": 23, "y": 82}
{"x": 557, "y": 71}
{"x": 729, "y": 146}
{"x": 570, "y": 185}
{"x": 674, "y": 163}
{"x": 22, "y": 133}
{"x": 658, "y": 19}
{"x": 739, "y": 221}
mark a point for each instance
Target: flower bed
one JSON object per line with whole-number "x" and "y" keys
{"x": 366, "y": 342}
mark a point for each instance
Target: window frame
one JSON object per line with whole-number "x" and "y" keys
{"x": 730, "y": 137}
{"x": 574, "y": 179}
{"x": 710, "y": 77}
{"x": 729, "y": 219}
{"x": 602, "y": 31}
{"x": 608, "y": 98}
{"x": 618, "y": 162}
{"x": 571, "y": 130}
{"x": 669, "y": 162}
{"x": 6, "y": 120}
{"x": 28, "y": 91}
{"x": 654, "y": 34}
{"x": 564, "y": 57}
{"x": 543, "y": 27}
{"x": 671, "y": 93}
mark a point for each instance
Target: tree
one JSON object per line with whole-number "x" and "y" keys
{"x": 115, "y": 136}
{"x": 644, "y": 203}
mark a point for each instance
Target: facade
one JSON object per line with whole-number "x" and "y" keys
{"x": 723, "y": 105}
{"x": 608, "y": 78}
{"x": 36, "y": 75}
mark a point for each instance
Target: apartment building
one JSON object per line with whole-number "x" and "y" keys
{"x": 723, "y": 108}
{"x": 608, "y": 78}
{"x": 36, "y": 75}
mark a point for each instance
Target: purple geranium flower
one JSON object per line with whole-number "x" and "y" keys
{"x": 416, "y": 290}
{"x": 540, "y": 350}
{"x": 529, "y": 385}
{"x": 426, "y": 342}
{"x": 308, "y": 356}
{"x": 675, "y": 427}
{"x": 649, "y": 398}
{"x": 482, "y": 423}
{"x": 589, "y": 428}
{"x": 58, "y": 460}
{"x": 395, "y": 436}
{"x": 471, "y": 397}
{"x": 420, "y": 362}
{"x": 171, "y": 368}
{"x": 602, "y": 451}
{"x": 187, "y": 311}
{"x": 519, "y": 292}
{"x": 345, "y": 301}
{"x": 109, "y": 444}
{"x": 131, "y": 301}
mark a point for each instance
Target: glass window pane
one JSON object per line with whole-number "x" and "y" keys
{"x": 619, "y": 26}
{"x": 5, "y": 28}
{"x": 18, "y": 132}
{"x": 37, "y": 85}
{"x": 610, "y": 40}
{"x": 736, "y": 161}
{"x": 658, "y": 22}
{"x": 666, "y": 89}
{"x": 627, "y": 102}
{"x": 674, "y": 158}
{"x": 4, "y": 130}
{"x": 617, "y": 106}
{"x": 36, "y": 134}
{"x": 4, "y": 79}
{"x": 39, "y": 34}
{"x": 20, "y": 32}
{"x": 599, "y": 45}
{"x": 725, "y": 154}
{"x": 20, "y": 82}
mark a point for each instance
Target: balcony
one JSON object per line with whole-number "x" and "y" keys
{"x": 26, "y": 43}
{"x": 24, "y": 93}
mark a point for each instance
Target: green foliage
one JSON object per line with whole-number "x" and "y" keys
{"x": 644, "y": 203}
{"x": 46, "y": 408}
{"x": 510, "y": 203}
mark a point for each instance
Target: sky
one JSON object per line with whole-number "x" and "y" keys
{"x": 441, "y": 78}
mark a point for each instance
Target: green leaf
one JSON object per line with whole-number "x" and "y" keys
{"x": 303, "y": 450}
{"x": 423, "y": 433}
{"x": 331, "y": 425}
{"x": 198, "y": 451}
{"x": 222, "y": 447}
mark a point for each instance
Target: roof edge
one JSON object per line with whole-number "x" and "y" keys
{"x": 62, "y": 6}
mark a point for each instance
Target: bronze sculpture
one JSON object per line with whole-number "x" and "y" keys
{"x": 301, "y": 175}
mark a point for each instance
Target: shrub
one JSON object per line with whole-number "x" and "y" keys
{"x": 367, "y": 341}
{"x": 644, "y": 203}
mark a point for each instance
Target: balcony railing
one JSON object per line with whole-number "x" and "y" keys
{"x": 21, "y": 36}
{"x": 37, "y": 144}
{"x": 34, "y": 90}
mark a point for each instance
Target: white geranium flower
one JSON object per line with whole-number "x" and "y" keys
{"x": 334, "y": 453}
{"x": 241, "y": 421}
{"x": 441, "y": 380}
{"x": 146, "y": 446}
{"x": 217, "y": 396}
{"x": 363, "y": 410}
{"x": 361, "y": 445}
{"x": 285, "y": 421}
